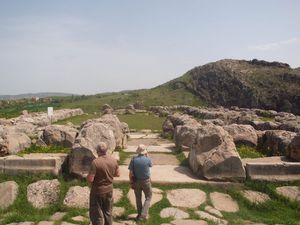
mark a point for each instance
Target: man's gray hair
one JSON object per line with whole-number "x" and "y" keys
{"x": 101, "y": 148}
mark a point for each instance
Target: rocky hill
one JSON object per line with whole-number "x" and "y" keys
{"x": 250, "y": 84}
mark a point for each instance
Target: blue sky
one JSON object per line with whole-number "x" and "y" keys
{"x": 88, "y": 47}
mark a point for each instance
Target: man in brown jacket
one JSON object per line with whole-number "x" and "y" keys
{"x": 101, "y": 174}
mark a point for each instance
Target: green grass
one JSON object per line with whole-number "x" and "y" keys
{"x": 141, "y": 121}
{"x": 248, "y": 152}
{"x": 278, "y": 210}
{"x": 181, "y": 158}
{"x": 46, "y": 149}
{"x": 161, "y": 95}
{"x": 267, "y": 119}
{"x": 78, "y": 120}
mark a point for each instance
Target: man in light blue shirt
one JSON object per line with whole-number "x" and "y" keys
{"x": 139, "y": 175}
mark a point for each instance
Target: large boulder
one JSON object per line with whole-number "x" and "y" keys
{"x": 60, "y": 135}
{"x": 84, "y": 150}
{"x": 295, "y": 148}
{"x": 11, "y": 142}
{"x": 8, "y": 193}
{"x": 185, "y": 135}
{"x": 213, "y": 155}
{"x": 106, "y": 129}
{"x": 175, "y": 120}
{"x": 43, "y": 193}
{"x": 118, "y": 128}
{"x": 242, "y": 134}
{"x": 277, "y": 142}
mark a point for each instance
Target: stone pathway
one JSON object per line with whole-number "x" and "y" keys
{"x": 184, "y": 202}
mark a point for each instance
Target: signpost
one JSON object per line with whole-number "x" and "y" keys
{"x": 50, "y": 113}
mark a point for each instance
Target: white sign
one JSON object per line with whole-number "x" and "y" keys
{"x": 50, "y": 111}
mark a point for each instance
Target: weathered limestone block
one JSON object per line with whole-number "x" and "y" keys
{"x": 60, "y": 135}
{"x": 295, "y": 149}
{"x": 290, "y": 192}
{"x": 107, "y": 129}
{"x": 187, "y": 198}
{"x": 77, "y": 197}
{"x": 242, "y": 134}
{"x": 118, "y": 128}
{"x": 84, "y": 150}
{"x": 11, "y": 142}
{"x": 223, "y": 202}
{"x": 277, "y": 142}
{"x": 185, "y": 135}
{"x": 255, "y": 196}
{"x": 214, "y": 156}
{"x": 8, "y": 193}
{"x": 43, "y": 193}
{"x": 175, "y": 120}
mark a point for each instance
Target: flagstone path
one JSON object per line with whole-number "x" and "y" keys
{"x": 184, "y": 203}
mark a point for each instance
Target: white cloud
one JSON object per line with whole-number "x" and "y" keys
{"x": 275, "y": 45}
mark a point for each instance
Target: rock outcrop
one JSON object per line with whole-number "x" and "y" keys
{"x": 243, "y": 83}
{"x": 213, "y": 155}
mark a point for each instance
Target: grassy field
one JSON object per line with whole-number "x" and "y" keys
{"x": 141, "y": 121}
{"x": 276, "y": 211}
{"x": 78, "y": 120}
{"x": 161, "y": 95}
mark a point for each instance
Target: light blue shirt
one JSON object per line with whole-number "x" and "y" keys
{"x": 141, "y": 167}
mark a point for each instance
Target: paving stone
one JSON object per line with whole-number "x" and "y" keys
{"x": 189, "y": 198}
{"x": 150, "y": 142}
{"x": 67, "y": 223}
{"x": 189, "y": 222}
{"x": 160, "y": 159}
{"x": 8, "y": 193}
{"x": 255, "y": 196}
{"x": 79, "y": 218}
{"x": 145, "y": 135}
{"x": 78, "y": 197}
{"x": 125, "y": 222}
{"x": 46, "y": 223}
{"x": 213, "y": 211}
{"x": 57, "y": 216}
{"x": 117, "y": 211}
{"x": 165, "y": 148}
{"x": 156, "y": 196}
{"x": 43, "y": 193}
{"x": 223, "y": 202}
{"x": 22, "y": 223}
{"x": 173, "y": 212}
{"x": 117, "y": 194}
{"x": 207, "y": 216}
{"x": 253, "y": 223}
{"x": 290, "y": 192}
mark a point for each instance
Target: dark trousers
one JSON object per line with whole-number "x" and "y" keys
{"x": 145, "y": 187}
{"x": 101, "y": 208}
